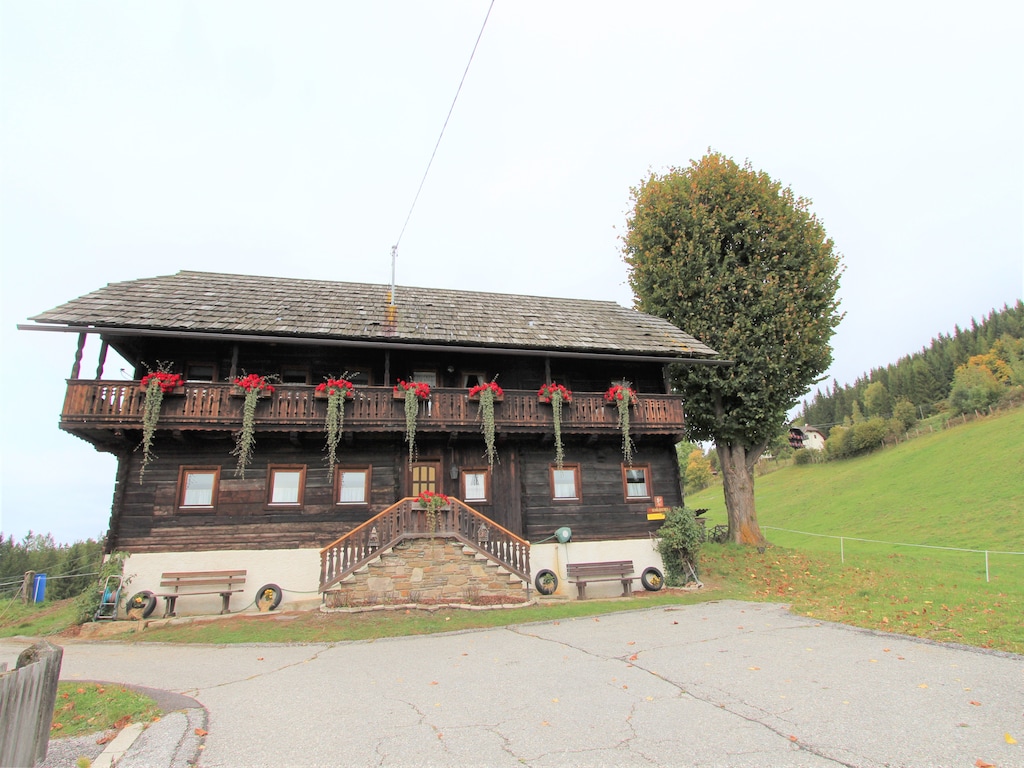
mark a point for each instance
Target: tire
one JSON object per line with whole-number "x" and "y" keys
{"x": 652, "y": 579}
{"x": 546, "y": 582}
{"x": 145, "y": 600}
{"x": 272, "y": 588}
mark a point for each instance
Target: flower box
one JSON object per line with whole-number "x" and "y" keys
{"x": 239, "y": 392}
{"x": 476, "y": 398}
{"x": 322, "y": 394}
{"x": 180, "y": 390}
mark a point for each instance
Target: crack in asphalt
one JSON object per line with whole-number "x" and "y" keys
{"x": 725, "y": 706}
{"x": 315, "y": 657}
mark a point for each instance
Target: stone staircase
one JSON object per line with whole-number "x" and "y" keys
{"x": 428, "y": 571}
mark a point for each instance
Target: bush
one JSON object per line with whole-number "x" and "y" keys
{"x": 868, "y": 435}
{"x": 89, "y": 601}
{"x": 840, "y": 442}
{"x": 679, "y": 543}
{"x": 805, "y": 456}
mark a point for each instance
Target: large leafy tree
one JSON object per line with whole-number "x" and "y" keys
{"x": 729, "y": 255}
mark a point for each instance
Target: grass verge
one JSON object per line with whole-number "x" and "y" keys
{"x": 90, "y": 707}
{"x": 36, "y": 619}
{"x": 317, "y": 627}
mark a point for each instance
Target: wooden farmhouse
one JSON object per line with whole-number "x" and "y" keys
{"x": 354, "y": 529}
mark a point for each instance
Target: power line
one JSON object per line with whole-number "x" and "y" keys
{"x": 394, "y": 248}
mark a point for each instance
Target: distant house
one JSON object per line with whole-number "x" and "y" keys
{"x": 807, "y": 437}
{"x": 310, "y": 527}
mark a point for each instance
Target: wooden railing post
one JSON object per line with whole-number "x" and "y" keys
{"x": 27, "y": 697}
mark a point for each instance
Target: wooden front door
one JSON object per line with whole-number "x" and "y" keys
{"x": 424, "y": 476}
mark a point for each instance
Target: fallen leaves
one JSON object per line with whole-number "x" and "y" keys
{"x": 202, "y": 732}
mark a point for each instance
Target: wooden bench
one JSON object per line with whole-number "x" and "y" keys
{"x": 581, "y": 574}
{"x": 223, "y": 583}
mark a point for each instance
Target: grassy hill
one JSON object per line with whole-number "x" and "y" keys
{"x": 961, "y": 489}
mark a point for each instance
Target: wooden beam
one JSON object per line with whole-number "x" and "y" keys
{"x": 103, "y": 359}
{"x": 77, "y": 367}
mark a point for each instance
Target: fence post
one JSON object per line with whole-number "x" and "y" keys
{"x": 27, "y": 697}
{"x": 842, "y": 551}
{"x": 986, "y": 565}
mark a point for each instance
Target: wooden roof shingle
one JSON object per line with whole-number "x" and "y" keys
{"x": 286, "y": 307}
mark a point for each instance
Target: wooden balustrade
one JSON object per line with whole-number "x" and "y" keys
{"x": 406, "y": 519}
{"x": 205, "y": 406}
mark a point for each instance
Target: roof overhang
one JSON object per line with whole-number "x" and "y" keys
{"x": 115, "y": 332}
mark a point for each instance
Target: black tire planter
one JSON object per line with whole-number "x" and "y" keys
{"x": 273, "y": 588}
{"x": 652, "y": 579}
{"x": 145, "y": 600}
{"x": 546, "y": 582}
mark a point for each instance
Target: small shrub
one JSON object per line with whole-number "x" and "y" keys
{"x": 680, "y": 540}
{"x": 89, "y": 601}
{"x": 804, "y": 456}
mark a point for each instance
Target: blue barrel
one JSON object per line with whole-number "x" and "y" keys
{"x": 39, "y": 588}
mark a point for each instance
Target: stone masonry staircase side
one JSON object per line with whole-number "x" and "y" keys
{"x": 429, "y": 571}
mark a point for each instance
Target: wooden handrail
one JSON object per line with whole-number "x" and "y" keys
{"x": 403, "y": 520}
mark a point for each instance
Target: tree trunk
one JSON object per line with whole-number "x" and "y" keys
{"x": 738, "y": 481}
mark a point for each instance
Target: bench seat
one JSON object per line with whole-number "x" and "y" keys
{"x": 581, "y": 574}
{"x": 223, "y": 583}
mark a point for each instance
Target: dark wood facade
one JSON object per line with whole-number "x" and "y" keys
{"x": 196, "y": 426}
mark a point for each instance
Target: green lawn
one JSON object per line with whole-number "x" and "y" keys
{"x": 962, "y": 488}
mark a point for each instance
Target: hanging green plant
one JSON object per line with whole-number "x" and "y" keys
{"x": 412, "y": 392}
{"x": 556, "y": 394}
{"x": 155, "y": 384}
{"x": 432, "y": 502}
{"x": 487, "y": 394}
{"x": 337, "y": 392}
{"x": 622, "y": 397}
{"x": 254, "y": 387}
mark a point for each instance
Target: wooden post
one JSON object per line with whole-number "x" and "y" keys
{"x": 103, "y": 359}
{"x": 77, "y": 367}
{"x": 27, "y": 697}
{"x": 234, "y": 363}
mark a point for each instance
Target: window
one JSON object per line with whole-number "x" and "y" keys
{"x": 476, "y": 486}
{"x": 352, "y": 485}
{"x": 200, "y": 372}
{"x": 363, "y": 376}
{"x": 295, "y": 375}
{"x": 425, "y": 377}
{"x": 636, "y": 482}
{"x": 472, "y": 378}
{"x": 197, "y": 487}
{"x": 565, "y": 482}
{"x": 285, "y": 485}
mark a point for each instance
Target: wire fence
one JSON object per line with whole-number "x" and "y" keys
{"x": 843, "y": 539}
{"x": 15, "y": 585}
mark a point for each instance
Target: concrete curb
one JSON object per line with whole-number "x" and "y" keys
{"x": 121, "y": 744}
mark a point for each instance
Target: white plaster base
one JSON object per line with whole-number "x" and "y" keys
{"x": 295, "y": 571}
{"x": 554, "y": 556}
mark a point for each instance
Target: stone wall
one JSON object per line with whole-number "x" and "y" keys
{"x": 428, "y": 571}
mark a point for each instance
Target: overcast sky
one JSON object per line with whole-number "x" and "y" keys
{"x": 139, "y": 139}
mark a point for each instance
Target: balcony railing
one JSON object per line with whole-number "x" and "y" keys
{"x": 92, "y": 405}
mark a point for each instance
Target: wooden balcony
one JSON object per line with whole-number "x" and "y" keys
{"x": 93, "y": 408}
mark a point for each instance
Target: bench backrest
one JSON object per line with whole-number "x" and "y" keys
{"x": 610, "y": 568}
{"x": 202, "y": 579}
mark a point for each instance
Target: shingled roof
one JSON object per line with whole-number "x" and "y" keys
{"x": 206, "y": 302}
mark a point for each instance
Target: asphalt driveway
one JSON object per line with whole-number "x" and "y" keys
{"x": 715, "y": 684}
